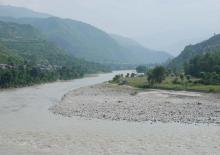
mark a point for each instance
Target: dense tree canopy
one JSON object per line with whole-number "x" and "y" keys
{"x": 141, "y": 69}
{"x": 156, "y": 75}
{"x": 206, "y": 67}
{"x": 211, "y": 45}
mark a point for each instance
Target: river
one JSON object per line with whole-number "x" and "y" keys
{"x": 27, "y": 127}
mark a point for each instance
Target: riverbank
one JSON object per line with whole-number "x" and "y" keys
{"x": 114, "y": 102}
{"x": 169, "y": 84}
{"x": 28, "y": 128}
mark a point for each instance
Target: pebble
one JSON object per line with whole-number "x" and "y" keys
{"x": 103, "y": 101}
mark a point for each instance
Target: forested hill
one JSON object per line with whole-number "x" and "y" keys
{"x": 209, "y": 46}
{"x": 80, "y": 39}
{"x": 28, "y": 43}
{"x": 88, "y": 42}
{"x": 138, "y": 52}
{"x": 26, "y": 57}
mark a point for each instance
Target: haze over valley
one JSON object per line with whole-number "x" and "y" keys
{"x": 116, "y": 77}
{"x": 83, "y": 40}
{"x": 161, "y": 25}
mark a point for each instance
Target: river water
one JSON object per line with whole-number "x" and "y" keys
{"x": 27, "y": 127}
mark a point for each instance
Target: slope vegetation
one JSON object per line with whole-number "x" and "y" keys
{"x": 83, "y": 40}
{"x": 26, "y": 57}
{"x": 209, "y": 46}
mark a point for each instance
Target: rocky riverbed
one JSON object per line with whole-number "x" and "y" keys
{"x": 113, "y": 102}
{"x": 28, "y": 128}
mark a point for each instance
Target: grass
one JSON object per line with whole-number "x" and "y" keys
{"x": 141, "y": 82}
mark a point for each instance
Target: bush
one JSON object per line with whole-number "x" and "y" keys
{"x": 182, "y": 77}
{"x": 132, "y": 75}
{"x": 210, "y": 78}
{"x": 206, "y": 67}
{"x": 127, "y": 75}
{"x": 141, "y": 69}
{"x": 116, "y": 78}
{"x": 123, "y": 82}
{"x": 188, "y": 77}
{"x": 176, "y": 80}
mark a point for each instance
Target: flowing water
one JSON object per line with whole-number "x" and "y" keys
{"x": 27, "y": 127}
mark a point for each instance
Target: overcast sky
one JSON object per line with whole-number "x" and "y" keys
{"x": 166, "y": 25}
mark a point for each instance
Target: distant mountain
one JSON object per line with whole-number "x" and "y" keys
{"x": 27, "y": 58}
{"x": 90, "y": 43}
{"x": 80, "y": 39}
{"x": 20, "y": 12}
{"x": 27, "y": 43}
{"x": 139, "y": 54}
{"x": 20, "y": 43}
{"x": 210, "y": 45}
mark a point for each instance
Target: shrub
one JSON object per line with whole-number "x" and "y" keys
{"x": 116, "y": 78}
{"x": 176, "y": 80}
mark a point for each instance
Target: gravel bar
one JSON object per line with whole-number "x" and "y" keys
{"x": 113, "y": 102}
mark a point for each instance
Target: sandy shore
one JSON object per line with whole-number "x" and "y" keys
{"x": 108, "y": 101}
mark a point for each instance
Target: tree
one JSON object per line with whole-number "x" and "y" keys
{"x": 206, "y": 67}
{"x": 188, "y": 77}
{"x": 159, "y": 73}
{"x": 132, "y": 75}
{"x": 150, "y": 77}
{"x": 156, "y": 75}
{"x": 141, "y": 69}
{"x": 209, "y": 62}
{"x": 127, "y": 75}
{"x": 117, "y": 78}
{"x": 35, "y": 72}
{"x": 175, "y": 80}
{"x": 182, "y": 77}
{"x": 6, "y": 78}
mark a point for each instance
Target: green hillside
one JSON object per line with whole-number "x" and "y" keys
{"x": 29, "y": 44}
{"x": 26, "y": 57}
{"x": 88, "y": 42}
{"x": 80, "y": 39}
{"x": 85, "y": 41}
{"x": 7, "y": 56}
{"x": 209, "y": 46}
{"x": 207, "y": 63}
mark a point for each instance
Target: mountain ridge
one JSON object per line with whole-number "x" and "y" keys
{"x": 210, "y": 45}
{"x": 19, "y": 12}
{"x": 85, "y": 41}
{"x": 147, "y": 56}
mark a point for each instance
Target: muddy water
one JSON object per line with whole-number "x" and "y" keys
{"x": 28, "y": 128}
